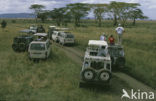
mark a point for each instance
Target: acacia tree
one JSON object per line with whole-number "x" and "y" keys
{"x": 59, "y": 14}
{"x": 37, "y": 9}
{"x": 125, "y": 9}
{"x": 99, "y": 11}
{"x": 114, "y": 10}
{"x": 136, "y": 13}
{"x": 122, "y": 11}
{"x": 43, "y": 16}
{"x": 77, "y": 11}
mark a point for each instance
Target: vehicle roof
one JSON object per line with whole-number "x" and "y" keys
{"x": 24, "y": 36}
{"x": 41, "y": 34}
{"x": 52, "y": 26}
{"x": 97, "y": 58}
{"x": 62, "y": 28}
{"x": 97, "y": 43}
{"x": 44, "y": 42}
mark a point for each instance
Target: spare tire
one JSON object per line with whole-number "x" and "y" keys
{"x": 88, "y": 74}
{"x": 22, "y": 47}
{"x": 104, "y": 76}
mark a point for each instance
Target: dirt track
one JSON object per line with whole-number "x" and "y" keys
{"x": 77, "y": 56}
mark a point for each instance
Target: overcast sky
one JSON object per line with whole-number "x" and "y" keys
{"x": 20, "y": 6}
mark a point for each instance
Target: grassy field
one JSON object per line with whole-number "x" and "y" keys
{"x": 139, "y": 43}
{"x": 57, "y": 79}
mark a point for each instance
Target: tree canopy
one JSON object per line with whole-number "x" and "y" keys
{"x": 78, "y": 10}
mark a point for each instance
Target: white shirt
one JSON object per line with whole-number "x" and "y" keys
{"x": 119, "y": 30}
{"x": 102, "y": 38}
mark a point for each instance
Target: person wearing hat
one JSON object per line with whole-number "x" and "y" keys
{"x": 119, "y": 31}
{"x": 103, "y": 37}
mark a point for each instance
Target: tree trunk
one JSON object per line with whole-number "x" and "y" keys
{"x": 99, "y": 22}
{"x": 134, "y": 21}
{"x": 115, "y": 20}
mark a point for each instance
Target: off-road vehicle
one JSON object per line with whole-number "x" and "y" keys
{"x": 65, "y": 38}
{"x": 51, "y": 29}
{"x": 41, "y": 36}
{"x": 117, "y": 56}
{"x": 32, "y": 30}
{"x": 96, "y": 68}
{"x": 40, "y": 29}
{"x": 39, "y": 50}
{"x": 21, "y": 43}
{"x": 55, "y": 36}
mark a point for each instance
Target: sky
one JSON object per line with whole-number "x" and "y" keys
{"x": 22, "y": 6}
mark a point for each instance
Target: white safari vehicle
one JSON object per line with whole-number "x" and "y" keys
{"x": 33, "y": 29}
{"x": 55, "y": 36}
{"x": 39, "y": 49}
{"x": 66, "y": 38}
{"x": 96, "y": 67}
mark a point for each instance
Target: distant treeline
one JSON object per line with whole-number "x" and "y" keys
{"x": 118, "y": 12}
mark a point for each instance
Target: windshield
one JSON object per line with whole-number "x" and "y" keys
{"x": 37, "y": 46}
{"x": 69, "y": 36}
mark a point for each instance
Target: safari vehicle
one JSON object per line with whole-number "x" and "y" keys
{"x": 51, "y": 29}
{"x": 117, "y": 56}
{"x": 40, "y": 29}
{"x": 96, "y": 68}
{"x": 65, "y": 38}
{"x": 33, "y": 29}
{"x": 21, "y": 43}
{"x": 55, "y": 36}
{"x": 39, "y": 49}
{"x": 41, "y": 36}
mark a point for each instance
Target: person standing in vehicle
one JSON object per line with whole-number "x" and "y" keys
{"x": 111, "y": 40}
{"x": 119, "y": 31}
{"x": 103, "y": 37}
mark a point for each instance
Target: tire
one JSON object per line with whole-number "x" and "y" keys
{"x": 46, "y": 56}
{"x": 22, "y": 47}
{"x": 15, "y": 47}
{"x": 62, "y": 44}
{"x": 120, "y": 62}
{"x": 88, "y": 74}
{"x": 104, "y": 76}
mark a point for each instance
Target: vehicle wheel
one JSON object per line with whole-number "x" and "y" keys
{"x": 104, "y": 76}
{"x": 22, "y": 47}
{"x": 62, "y": 44}
{"x": 81, "y": 85}
{"x": 88, "y": 75}
{"x": 46, "y": 56}
{"x": 120, "y": 62}
{"x": 15, "y": 47}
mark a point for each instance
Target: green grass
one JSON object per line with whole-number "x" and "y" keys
{"x": 57, "y": 79}
{"x": 139, "y": 43}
